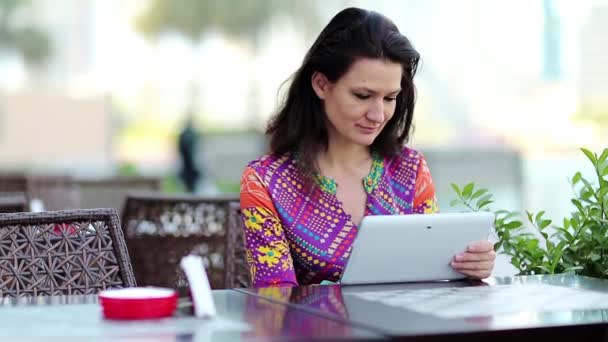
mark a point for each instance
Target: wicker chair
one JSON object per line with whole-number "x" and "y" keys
{"x": 62, "y": 253}
{"x": 13, "y": 203}
{"x": 160, "y": 229}
{"x": 11, "y": 182}
{"x": 237, "y": 268}
{"x": 111, "y": 192}
{"x": 57, "y": 192}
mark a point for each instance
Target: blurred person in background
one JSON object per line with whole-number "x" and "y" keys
{"x": 337, "y": 154}
{"x": 188, "y": 141}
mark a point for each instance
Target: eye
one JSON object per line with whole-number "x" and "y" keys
{"x": 361, "y": 96}
{"x": 390, "y": 99}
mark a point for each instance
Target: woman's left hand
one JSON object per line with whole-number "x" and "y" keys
{"x": 477, "y": 261}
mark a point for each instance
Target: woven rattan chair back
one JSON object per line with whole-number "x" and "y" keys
{"x": 62, "y": 253}
{"x": 160, "y": 229}
{"x": 237, "y": 269}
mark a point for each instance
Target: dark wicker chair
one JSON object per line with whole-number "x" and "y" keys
{"x": 160, "y": 229}
{"x": 237, "y": 268}
{"x": 11, "y": 182}
{"x": 62, "y": 253}
{"x": 13, "y": 203}
{"x": 111, "y": 192}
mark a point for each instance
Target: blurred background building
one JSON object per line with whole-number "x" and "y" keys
{"x": 508, "y": 90}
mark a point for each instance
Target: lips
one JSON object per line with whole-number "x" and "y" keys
{"x": 367, "y": 129}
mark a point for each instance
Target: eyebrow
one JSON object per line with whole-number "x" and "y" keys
{"x": 371, "y": 91}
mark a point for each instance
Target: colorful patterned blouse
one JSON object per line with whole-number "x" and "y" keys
{"x": 300, "y": 235}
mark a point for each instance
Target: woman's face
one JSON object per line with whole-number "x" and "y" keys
{"x": 362, "y": 101}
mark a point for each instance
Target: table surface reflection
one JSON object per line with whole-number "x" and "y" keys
{"x": 241, "y": 317}
{"x": 556, "y": 303}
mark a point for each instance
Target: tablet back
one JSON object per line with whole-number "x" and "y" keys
{"x": 404, "y": 248}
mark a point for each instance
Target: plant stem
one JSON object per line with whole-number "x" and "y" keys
{"x": 597, "y": 194}
{"x": 466, "y": 203}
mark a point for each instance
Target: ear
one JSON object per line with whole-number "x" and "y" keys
{"x": 320, "y": 84}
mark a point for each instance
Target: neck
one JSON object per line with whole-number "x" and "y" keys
{"x": 344, "y": 156}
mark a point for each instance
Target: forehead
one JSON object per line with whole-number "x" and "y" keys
{"x": 377, "y": 74}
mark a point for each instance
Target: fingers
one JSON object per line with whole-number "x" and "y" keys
{"x": 473, "y": 266}
{"x": 474, "y": 269}
{"x": 468, "y": 256}
{"x": 476, "y": 274}
{"x": 481, "y": 246}
{"x": 477, "y": 261}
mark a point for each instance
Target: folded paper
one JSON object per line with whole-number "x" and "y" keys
{"x": 200, "y": 289}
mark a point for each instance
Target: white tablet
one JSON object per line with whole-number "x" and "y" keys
{"x": 406, "y": 248}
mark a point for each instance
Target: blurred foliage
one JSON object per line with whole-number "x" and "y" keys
{"x": 228, "y": 187}
{"x": 237, "y": 18}
{"x": 597, "y": 114}
{"x": 170, "y": 183}
{"x": 32, "y": 43}
{"x": 128, "y": 169}
{"x": 578, "y": 245}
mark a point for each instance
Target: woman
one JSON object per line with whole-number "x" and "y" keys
{"x": 337, "y": 154}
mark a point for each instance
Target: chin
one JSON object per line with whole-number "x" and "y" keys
{"x": 364, "y": 140}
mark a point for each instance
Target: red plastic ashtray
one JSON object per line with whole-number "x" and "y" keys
{"x": 138, "y": 303}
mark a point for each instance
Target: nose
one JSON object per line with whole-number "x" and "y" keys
{"x": 376, "y": 112}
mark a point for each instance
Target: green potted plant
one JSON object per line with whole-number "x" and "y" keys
{"x": 577, "y": 244}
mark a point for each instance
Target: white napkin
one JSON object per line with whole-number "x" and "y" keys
{"x": 199, "y": 286}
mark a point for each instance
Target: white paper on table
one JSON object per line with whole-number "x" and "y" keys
{"x": 199, "y": 286}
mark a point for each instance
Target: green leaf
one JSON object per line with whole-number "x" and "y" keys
{"x": 604, "y": 156}
{"x": 592, "y": 156}
{"x": 545, "y": 269}
{"x": 484, "y": 203}
{"x": 577, "y": 177}
{"x": 544, "y": 223}
{"x": 565, "y": 233}
{"x": 480, "y": 192}
{"x": 603, "y": 170}
{"x": 539, "y": 215}
{"x": 532, "y": 244}
{"x": 530, "y": 216}
{"x": 454, "y": 202}
{"x": 594, "y": 257}
{"x": 507, "y": 214}
{"x": 588, "y": 185}
{"x": 578, "y": 205}
{"x": 456, "y": 189}
{"x": 573, "y": 269}
{"x": 575, "y": 223}
{"x": 484, "y": 198}
{"x": 468, "y": 190}
{"x": 603, "y": 192}
{"x": 587, "y": 196}
{"x": 513, "y": 225}
{"x": 559, "y": 251}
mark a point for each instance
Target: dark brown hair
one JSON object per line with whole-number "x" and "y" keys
{"x": 299, "y": 125}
